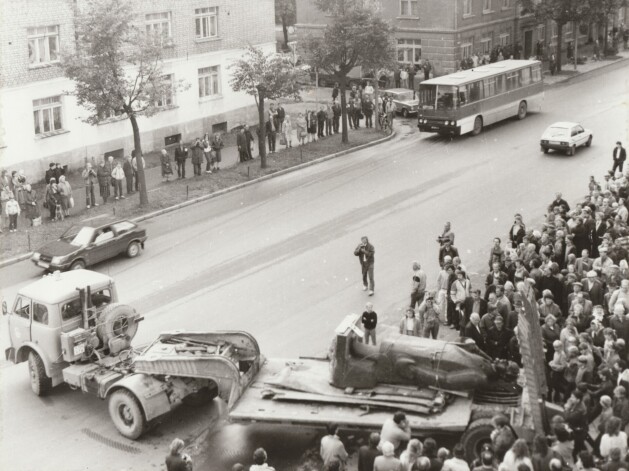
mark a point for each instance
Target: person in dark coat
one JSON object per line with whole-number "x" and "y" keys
{"x": 411, "y": 76}
{"x": 474, "y": 303}
{"x": 473, "y": 331}
{"x": 496, "y": 278}
{"x": 197, "y": 157}
{"x": 396, "y": 77}
{"x": 243, "y": 145}
{"x": 217, "y": 144}
{"x": 594, "y": 287}
{"x": 581, "y": 237}
{"x": 321, "y": 117}
{"x": 336, "y": 117}
{"x": 335, "y": 91}
{"x": 167, "y": 169}
{"x": 427, "y": 68}
{"x": 498, "y": 338}
{"x": 181, "y": 155}
{"x": 281, "y": 114}
{"x": 250, "y": 140}
{"x": 104, "y": 177}
{"x": 619, "y": 155}
{"x": 50, "y": 173}
{"x": 127, "y": 168}
{"x": 367, "y": 453}
{"x": 365, "y": 253}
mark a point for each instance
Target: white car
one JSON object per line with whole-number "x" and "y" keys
{"x": 565, "y": 136}
{"x": 404, "y": 100}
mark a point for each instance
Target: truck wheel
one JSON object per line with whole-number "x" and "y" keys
{"x": 477, "y": 434}
{"x": 203, "y": 396}
{"x": 126, "y": 414}
{"x": 133, "y": 250}
{"x": 41, "y": 384}
{"x": 116, "y": 320}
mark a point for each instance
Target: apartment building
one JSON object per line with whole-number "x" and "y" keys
{"x": 40, "y": 122}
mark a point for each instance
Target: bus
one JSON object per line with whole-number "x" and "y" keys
{"x": 468, "y": 100}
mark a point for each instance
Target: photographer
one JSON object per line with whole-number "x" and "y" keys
{"x": 365, "y": 253}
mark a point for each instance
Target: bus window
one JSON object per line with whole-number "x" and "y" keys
{"x": 490, "y": 86}
{"x": 476, "y": 91}
{"x": 445, "y": 97}
{"x": 513, "y": 80}
{"x": 525, "y": 76}
{"x": 536, "y": 71}
{"x": 463, "y": 96}
{"x": 501, "y": 86}
{"x": 427, "y": 96}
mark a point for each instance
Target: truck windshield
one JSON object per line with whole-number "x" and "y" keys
{"x": 78, "y": 236}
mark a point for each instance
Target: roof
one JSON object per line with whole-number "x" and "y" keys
{"x": 479, "y": 72}
{"x": 59, "y": 287}
{"x": 397, "y": 90}
{"x": 563, "y": 124}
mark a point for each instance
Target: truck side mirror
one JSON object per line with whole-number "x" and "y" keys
{"x": 4, "y": 308}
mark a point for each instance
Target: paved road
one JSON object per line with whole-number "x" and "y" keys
{"x": 276, "y": 259}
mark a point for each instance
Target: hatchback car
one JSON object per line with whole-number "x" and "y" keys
{"x": 81, "y": 246}
{"x": 405, "y": 101}
{"x": 565, "y": 136}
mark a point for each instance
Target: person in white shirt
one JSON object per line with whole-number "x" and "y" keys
{"x": 332, "y": 447}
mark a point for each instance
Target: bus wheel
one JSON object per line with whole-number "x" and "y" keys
{"x": 478, "y": 126}
{"x": 522, "y": 109}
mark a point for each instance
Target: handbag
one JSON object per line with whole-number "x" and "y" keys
{"x": 303, "y": 134}
{"x": 283, "y": 140}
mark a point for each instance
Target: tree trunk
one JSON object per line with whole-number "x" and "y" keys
{"x": 344, "y": 136}
{"x": 606, "y": 35}
{"x": 144, "y": 197}
{"x": 261, "y": 130}
{"x": 559, "y": 37}
{"x": 285, "y": 31}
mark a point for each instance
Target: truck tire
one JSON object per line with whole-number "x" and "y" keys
{"x": 475, "y": 436}
{"x": 41, "y": 383}
{"x": 126, "y": 414}
{"x": 116, "y": 320}
{"x": 203, "y": 396}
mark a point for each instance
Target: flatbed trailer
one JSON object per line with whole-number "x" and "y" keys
{"x": 252, "y": 407}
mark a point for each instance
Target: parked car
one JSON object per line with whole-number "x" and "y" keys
{"x": 565, "y": 136}
{"x": 84, "y": 245}
{"x": 405, "y": 101}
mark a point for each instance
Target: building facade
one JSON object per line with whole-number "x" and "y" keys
{"x": 448, "y": 31}
{"x": 40, "y": 122}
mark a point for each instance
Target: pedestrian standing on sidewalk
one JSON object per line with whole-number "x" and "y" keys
{"x": 321, "y": 117}
{"x": 287, "y": 131}
{"x": 181, "y": 154}
{"x": 311, "y": 121}
{"x": 32, "y": 210}
{"x": 241, "y": 142}
{"x": 270, "y": 135}
{"x": 167, "y": 170}
{"x": 418, "y": 285}
{"x": 52, "y": 196}
{"x": 332, "y": 448}
{"x": 89, "y": 178}
{"x": 217, "y": 145}
{"x": 302, "y": 127}
{"x": 369, "y": 320}
{"x": 65, "y": 194}
{"x": 197, "y": 157}
{"x": 118, "y": 177}
{"x": 336, "y": 116}
{"x": 365, "y": 253}
{"x": 427, "y": 67}
{"x": 250, "y": 141}
{"x": 619, "y": 155}
{"x": 368, "y": 112}
{"x": 404, "y": 78}
{"x": 127, "y": 168}
{"x": 12, "y": 210}
{"x": 207, "y": 153}
{"x": 335, "y": 91}
{"x": 134, "y": 164}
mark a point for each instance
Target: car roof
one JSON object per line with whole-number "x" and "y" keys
{"x": 563, "y": 124}
{"x": 56, "y": 287}
{"x": 100, "y": 223}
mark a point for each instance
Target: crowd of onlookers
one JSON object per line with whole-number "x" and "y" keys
{"x": 17, "y": 196}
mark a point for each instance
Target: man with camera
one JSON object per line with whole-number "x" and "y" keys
{"x": 365, "y": 253}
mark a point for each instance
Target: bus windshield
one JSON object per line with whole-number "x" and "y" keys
{"x": 440, "y": 97}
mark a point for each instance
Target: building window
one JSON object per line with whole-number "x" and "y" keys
{"x": 43, "y": 45}
{"x": 206, "y": 22}
{"x": 504, "y": 39}
{"x": 541, "y": 32}
{"x": 486, "y": 6}
{"x": 47, "y": 115}
{"x": 167, "y": 99}
{"x": 467, "y": 7}
{"x": 209, "y": 81}
{"x": 485, "y": 45}
{"x": 466, "y": 50}
{"x": 158, "y": 25}
{"x": 409, "y": 51}
{"x": 568, "y": 28}
{"x": 554, "y": 30}
{"x": 409, "y": 8}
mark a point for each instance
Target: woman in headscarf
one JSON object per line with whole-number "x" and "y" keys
{"x": 104, "y": 177}
{"x": 65, "y": 194}
{"x": 51, "y": 198}
{"x": 30, "y": 203}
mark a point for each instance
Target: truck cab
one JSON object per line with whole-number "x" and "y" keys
{"x": 46, "y": 309}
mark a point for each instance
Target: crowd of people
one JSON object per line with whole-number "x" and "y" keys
{"x": 17, "y": 196}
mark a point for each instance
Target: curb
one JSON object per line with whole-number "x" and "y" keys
{"x": 199, "y": 199}
{"x": 580, "y": 75}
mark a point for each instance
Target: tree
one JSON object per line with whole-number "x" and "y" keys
{"x": 285, "y": 13}
{"x": 116, "y": 69}
{"x": 356, "y": 36}
{"x": 266, "y": 77}
{"x": 559, "y": 11}
{"x": 601, "y": 10}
